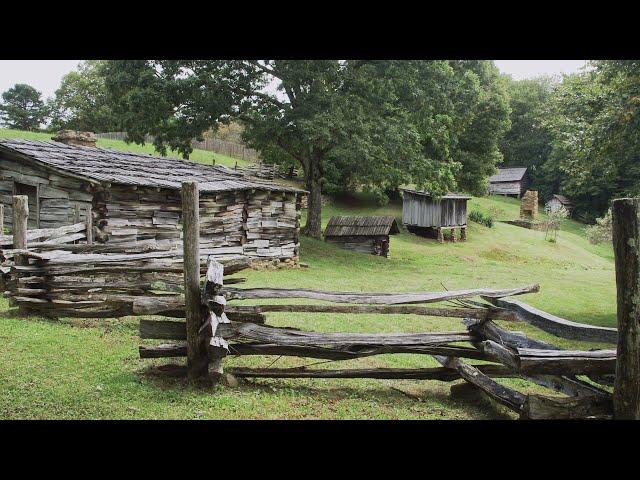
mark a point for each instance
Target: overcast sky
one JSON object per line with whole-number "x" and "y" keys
{"x": 45, "y": 75}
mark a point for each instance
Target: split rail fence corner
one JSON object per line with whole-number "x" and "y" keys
{"x": 109, "y": 281}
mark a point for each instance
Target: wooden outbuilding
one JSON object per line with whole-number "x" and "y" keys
{"x": 424, "y": 214}
{"x": 362, "y": 234}
{"x": 133, "y": 197}
{"x": 558, "y": 201}
{"x": 510, "y": 181}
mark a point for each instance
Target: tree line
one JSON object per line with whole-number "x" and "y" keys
{"x": 370, "y": 125}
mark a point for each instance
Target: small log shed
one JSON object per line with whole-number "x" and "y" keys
{"x": 362, "y": 234}
{"x": 135, "y": 198}
{"x": 558, "y": 201}
{"x": 511, "y": 181}
{"x": 425, "y": 215}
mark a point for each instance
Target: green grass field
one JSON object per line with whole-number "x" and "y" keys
{"x": 90, "y": 368}
{"x": 200, "y": 156}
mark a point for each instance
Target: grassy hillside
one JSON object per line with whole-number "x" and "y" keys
{"x": 200, "y": 156}
{"x": 91, "y": 369}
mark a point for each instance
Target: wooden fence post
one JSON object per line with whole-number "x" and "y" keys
{"x": 20, "y": 217}
{"x": 1, "y": 219}
{"x": 89, "y": 223}
{"x": 626, "y": 245}
{"x": 197, "y": 361}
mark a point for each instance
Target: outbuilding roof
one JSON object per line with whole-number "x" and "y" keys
{"x": 563, "y": 200}
{"x": 342, "y": 226}
{"x": 450, "y": 195}
{"x": 102, "y": 165}
{"x": 510, "y": 174}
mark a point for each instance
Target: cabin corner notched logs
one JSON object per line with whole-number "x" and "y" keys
{"x": 136, "y": 198}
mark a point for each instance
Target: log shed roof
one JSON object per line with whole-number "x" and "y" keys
{"x": 563, "y": 200}
{"x": 102, "y": 165}
{"x": 511, "y": 174}
{"x": 347, "y": 226}
{"x": 451, "y": 196}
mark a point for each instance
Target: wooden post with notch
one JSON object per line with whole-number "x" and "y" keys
{"x": 20, "y": 218}
{"x": 626, "y": 246}
{"x": 197, "y": 357}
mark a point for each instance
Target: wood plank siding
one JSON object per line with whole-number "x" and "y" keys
{"x": 421, "y": 210}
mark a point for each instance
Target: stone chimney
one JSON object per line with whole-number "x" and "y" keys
{"x": 529, "y": 205}
{"x": 74, "y": 137}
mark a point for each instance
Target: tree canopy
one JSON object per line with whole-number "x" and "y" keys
{"x": 593, "y": 119}
{"x": 527, "y": 143}
{"x": 22, "y": 108}
{"x": 348, "y": 124}
{"x": 81, "y": 102}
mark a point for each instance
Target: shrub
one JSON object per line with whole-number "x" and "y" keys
{"x": 481, "y": 218}
{"x": 553, "y": 224}
{"x": 601, "y": 231}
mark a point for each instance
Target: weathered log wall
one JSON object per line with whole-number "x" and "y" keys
{"x": 256, "y": 223}
{"x": 374, "y": 244}
{"x": 55, "y": 200}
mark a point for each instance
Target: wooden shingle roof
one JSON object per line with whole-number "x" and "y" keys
{"x": 102, "y": 165}
{"x": 341, "y": 226}
{"x": 563, "y": 200}
{"x": 510, "y": 174}
{"x": 450, "y": 195}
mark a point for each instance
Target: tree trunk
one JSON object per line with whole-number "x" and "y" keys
{"x": 313, "y": 228}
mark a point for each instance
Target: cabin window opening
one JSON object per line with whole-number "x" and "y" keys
{"x": 31, "y": 191}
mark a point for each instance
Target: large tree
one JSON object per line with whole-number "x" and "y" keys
{"x": 527, "y": 143}
{"x": 22, "y": 108}
{"x": 377, "y": 124}
{"x": 488, "y": 119}
{"x": 81, "y": 102}
{"x": 594, "y": 122}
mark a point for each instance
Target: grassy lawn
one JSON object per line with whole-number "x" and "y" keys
{"x": 90, "y": 368}
{"x": 200, "y": 156}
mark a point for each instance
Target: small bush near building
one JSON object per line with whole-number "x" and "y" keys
{"x": 553, "y": 224}
{"x": 481, "y": 218}
{"x": 600, "y": 232}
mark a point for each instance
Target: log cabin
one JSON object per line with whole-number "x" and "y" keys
{"x": 509, "y": 181}
{"x": 134, "y": 197}
{"x": 426, "y": 215}
{"x": 362, "y": 234}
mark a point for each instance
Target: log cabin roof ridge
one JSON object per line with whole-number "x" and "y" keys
{"x": 451, "y": 195}
{"x": 103, "y": 165}
{"x": 508, "y": 174}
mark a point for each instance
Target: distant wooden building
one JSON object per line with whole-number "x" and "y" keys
{"x": 362, "y": 234}
{"x": 423, "y": 214}
{"x": 558, "y": 201}
{"x": 509, "y": 181}
{"x": 133, "y": 197}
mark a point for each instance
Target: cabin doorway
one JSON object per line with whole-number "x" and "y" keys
{"x": 31, "y": 192}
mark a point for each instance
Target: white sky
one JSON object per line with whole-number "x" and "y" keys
{"x": 521, "y": 69}
{"x": 45, "y": 75}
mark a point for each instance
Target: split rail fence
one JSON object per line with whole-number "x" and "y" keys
{"x": 89, "y": 280}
